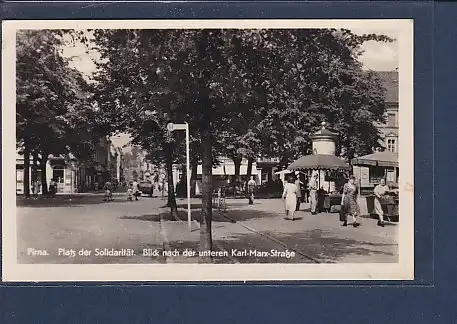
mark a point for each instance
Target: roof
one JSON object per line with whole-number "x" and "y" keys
{"x": 390, "y": 82}
{"x": 325, "y": 132}
{"x": 284, "y": 172}
{"x": 386, "y": 159}
{"x": 319, "y": 162}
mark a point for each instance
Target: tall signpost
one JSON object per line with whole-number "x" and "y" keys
{"x": 172, "y": 127}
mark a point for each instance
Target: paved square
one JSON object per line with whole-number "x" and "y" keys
{"x": 84, "y": 229}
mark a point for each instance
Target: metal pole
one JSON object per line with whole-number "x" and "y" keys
{"x": 188, "y": 176}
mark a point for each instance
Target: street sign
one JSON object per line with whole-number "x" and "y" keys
{"x": 172, "y": 127}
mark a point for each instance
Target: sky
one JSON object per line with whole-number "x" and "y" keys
{"x": 376, "y": 56}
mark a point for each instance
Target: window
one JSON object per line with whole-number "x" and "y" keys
{"x": 391, "y": 122}
{"x": 20, "y": 176}
{"x": 392, "y": 145}
{"x": 264, "y": 177}
{"x": 391, "y": 175}
{"x": 57, "y": 174}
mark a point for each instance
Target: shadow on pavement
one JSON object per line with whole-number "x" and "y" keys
{"x": 67, "y": 201}
{"x": 235, "y": 215}
{"x": 199, "y": 205}
{"x": 145, "y": 218}
{"x": 316, "y": 244}
{"x": 328, "y": 248}
{"x": 164, "y": 215}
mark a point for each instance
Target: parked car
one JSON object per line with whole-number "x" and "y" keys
{"x": 146, "y": 188}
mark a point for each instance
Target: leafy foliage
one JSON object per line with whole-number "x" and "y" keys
{"x": 243, "y": 92}
{"x": 54, "y": 112}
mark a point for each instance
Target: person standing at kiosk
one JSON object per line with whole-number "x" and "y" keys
{"x": 312, "y": 186}
{"x": 380, "y": 192}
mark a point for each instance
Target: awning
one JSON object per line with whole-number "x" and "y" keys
{"x": 383, "y": 159}
{"x": 319, "y": 162}
{"x": 284, "y": 172}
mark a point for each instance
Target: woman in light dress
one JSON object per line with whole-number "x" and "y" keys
{"x": 349, "y": 202}
{"x": 290, "y": 198}
{"x": 380, "y": 192}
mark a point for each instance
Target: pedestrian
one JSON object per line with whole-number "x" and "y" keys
{"x": 136, "y": 190}
{"x": 290, "y": 198}
{"x": 35, "y": 188}
{"x": 251, "y": 187}
{"x": 380, "y": 193}
{"x": 312, "y": 186}
{"x": 130, "y": 194}
{"x": 108, "y": 191}
{"x": 299, "y": 194}
{"x": 349, "y": 203}
{"x": 52, "y": 187}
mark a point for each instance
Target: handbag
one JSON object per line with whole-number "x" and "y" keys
{"x": 343, "y": 212}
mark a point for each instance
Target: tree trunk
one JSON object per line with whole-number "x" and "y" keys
{"x": 207, "y": 191}
{"x": 193, "y": 178}
{"x": 237, "y": 162}
{"x": 249, "y": 171}
{"x": 204, "y": 103}
{"x": 26, "y": 169}
{"x": 44, "y": 182}
{"x": 35, "y": 171}
{"x": 171, "y": 190}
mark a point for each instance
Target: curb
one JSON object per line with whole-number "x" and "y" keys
{"x": 163, "y": 234}
{"x": 235, "y": 261}
{"x": 164, "y": 210}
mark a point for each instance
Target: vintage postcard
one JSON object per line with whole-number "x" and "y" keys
{"x": 207, "y": 150}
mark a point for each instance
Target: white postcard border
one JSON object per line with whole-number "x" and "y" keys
{"x": 403, "y": 270}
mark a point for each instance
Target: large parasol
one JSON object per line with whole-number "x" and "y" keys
{"x": 319, "y": 162}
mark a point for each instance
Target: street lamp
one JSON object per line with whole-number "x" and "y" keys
{"x": 172, "y": 127}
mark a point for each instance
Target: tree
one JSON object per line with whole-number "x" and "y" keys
{"x": 128, "y": 92}
{"x": 54, "y": 115}
{"x": 243, "y": 92}
{"x": 321, "y": 79}
{"x": 170, "y": 75}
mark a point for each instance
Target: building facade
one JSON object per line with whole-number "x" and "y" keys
{"x": 263, "y": 171}
{"x": 71, "y": 175}
{"x": 389, "y": 129}
{"x": 116, "y": 163}
{"x": 370, "y": 173}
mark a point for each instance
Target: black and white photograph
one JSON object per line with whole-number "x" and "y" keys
{"x": 212, "y": 150}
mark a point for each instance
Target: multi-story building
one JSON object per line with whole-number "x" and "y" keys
{"x": 389, "y": 130}
{"x": 372, "y": 168}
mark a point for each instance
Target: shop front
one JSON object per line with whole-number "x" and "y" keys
{"x": 223, "y": 175}
{"x": 64, "y": 173}
{"x": 369, "y": 170}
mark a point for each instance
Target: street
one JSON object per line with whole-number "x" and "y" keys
{"x": 84, "y": 229}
